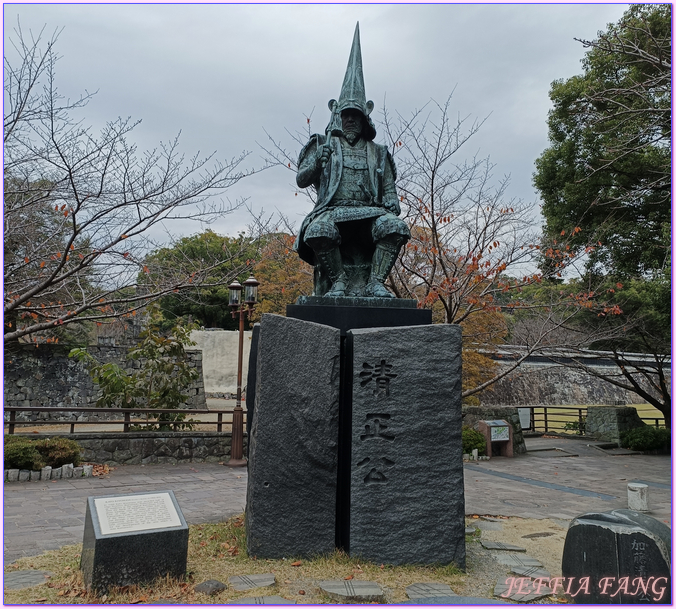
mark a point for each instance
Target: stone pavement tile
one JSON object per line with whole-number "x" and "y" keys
{"x": 16, "y": 580}
{"x": 80, "y": 484}
{"x": 456, "y": 600}
{"x": 262, "y": 600}
{"x": 521, "y": 589}
{"x": 488, "y": 526}
{"x": 511, "y": 560}
{"x": 498, "y": 545}
{"x": 532, "y": 572}
{"x": 427, "y": 590}
{"x": 248, "y": 582}
{"x": 352, "y": 590}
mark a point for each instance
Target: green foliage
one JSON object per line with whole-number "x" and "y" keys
{"x": 607, "y": 172}
{"x": 22, "y": 453}
{"x": 26, "y": 453}
{"x": 575, "y": 426}
{"x": 646, "y": 438}
{"x": 160, "y": 381}
{"x": 225, "y": 259}
{"x": 472, "y": 439}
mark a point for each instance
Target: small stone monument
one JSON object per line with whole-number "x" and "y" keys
{"x": 133, "y": 539}
{"x": 499, "y": 439}
{"x": 625, "y": 555}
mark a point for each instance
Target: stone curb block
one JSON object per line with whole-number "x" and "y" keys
{"x": 49, "y": 473}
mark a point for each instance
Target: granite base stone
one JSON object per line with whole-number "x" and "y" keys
{"x": 407, "y": 502}
{"x": 291, "y": 493}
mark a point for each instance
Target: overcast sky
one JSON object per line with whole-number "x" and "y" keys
{"x": 222, "y": 74}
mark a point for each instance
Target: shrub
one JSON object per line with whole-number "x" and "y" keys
{"x": 26, "y": 453}
{"x": 646, "y": 438}
{"x": 59, "y": 451}
{"x": 472, "y": 439}
{"x": 21, "y": 453}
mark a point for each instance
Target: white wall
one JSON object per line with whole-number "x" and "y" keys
{"x": 219, "y": 358}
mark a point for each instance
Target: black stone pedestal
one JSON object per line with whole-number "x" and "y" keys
{"x": 347, "y": 314}
{"x": 353, "y": 313}
{"x": 395, "y": 499}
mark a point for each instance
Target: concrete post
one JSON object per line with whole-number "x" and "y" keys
{"x": 637, "y": 496}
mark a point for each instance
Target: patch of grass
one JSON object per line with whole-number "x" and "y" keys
{"x": 218, "y": 551}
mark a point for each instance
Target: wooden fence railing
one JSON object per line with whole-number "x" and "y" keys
{"x": 566, "y": 419}
{"x": 541, "y": 419}
{"x": 126, "y": 418}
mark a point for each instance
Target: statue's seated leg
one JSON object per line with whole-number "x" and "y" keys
{"x": 324, "y": 238}
{"x": 389, "y": 234}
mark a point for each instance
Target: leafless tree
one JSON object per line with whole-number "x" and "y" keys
{"x": 83, "y": 210}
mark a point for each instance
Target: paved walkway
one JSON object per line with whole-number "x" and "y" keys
{"x": 41, "y": 516}
{"x": 550, "y": 483}
{"x": 547, "y": 483}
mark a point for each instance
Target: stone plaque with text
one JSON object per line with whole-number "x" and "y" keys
{"x": 133, "y": 539}
{"x": 406, "y": 493}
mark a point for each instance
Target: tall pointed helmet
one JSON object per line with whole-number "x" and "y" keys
{"x": 353, "y": 93}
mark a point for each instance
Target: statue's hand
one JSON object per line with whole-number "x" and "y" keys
{"x": 323, "y": 154}
{"x": 392, "y": 205}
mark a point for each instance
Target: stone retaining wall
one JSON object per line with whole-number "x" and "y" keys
{"x": 47, "y": 377}
{"x": 607, "y": 422}
{"x": 134, "y": 448}
{"x": 551, "y": 385}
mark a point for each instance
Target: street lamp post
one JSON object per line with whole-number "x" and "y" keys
{"x": 241, "y": 309}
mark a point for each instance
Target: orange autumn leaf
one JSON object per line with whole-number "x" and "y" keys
{"x": 298, "y": 563}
